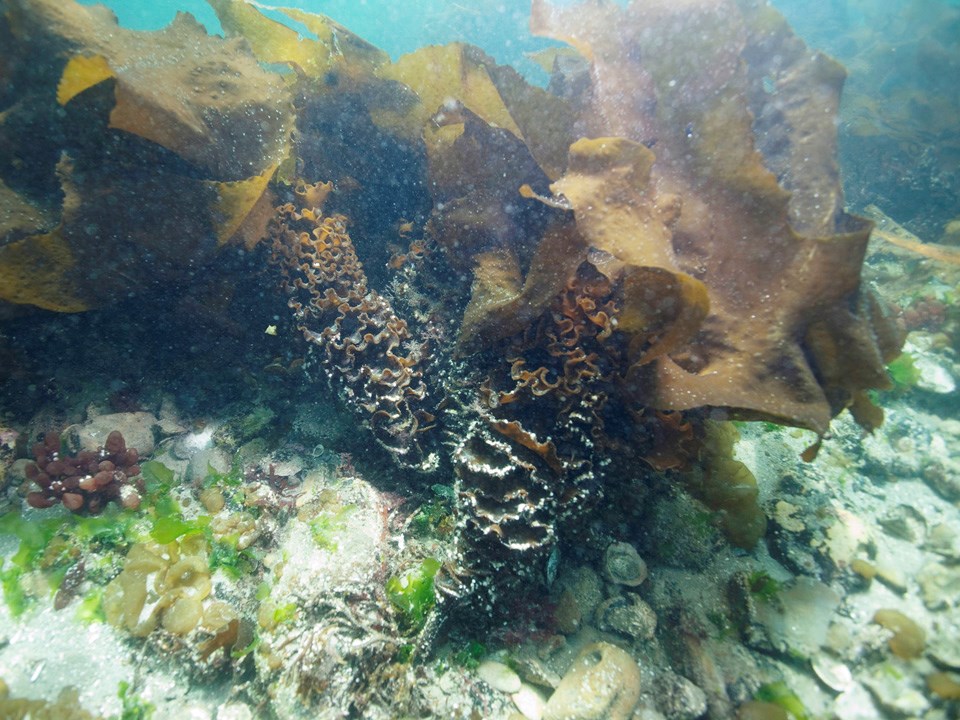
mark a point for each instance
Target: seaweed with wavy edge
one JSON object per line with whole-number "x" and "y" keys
{"x": 363, "y": 342}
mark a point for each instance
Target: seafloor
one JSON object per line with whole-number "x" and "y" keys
{"x": 336, "y": 387}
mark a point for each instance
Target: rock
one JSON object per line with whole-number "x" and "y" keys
{"x": 645, "y": 712}
{"x": 903, "y": 522}
{"x": 934, "y": 376}
{"x": 942, "y": 540}
{"x": 786, "y": 516}
{"x": 678, "y": 698}
{"x": 234, "y": 711}
{"x": 529, "y": 702}
{"x": 744, "y": 612}
{"x": 940, "y": 585}
{"x": 847, "y": 538}
{"x": 202, "y": 460}
{"x": 189, "y": 444}
{"x": 943, "y": 646}
{"x": 944, "y": 482}
{"x": 137, "y": 429}
{"x": 627, "y": 615}
{"x": 891, "y": 685}
{"x": 623, "y": 565}
{"x": 567, "y": 614}
{"x": 533, "y": 670}
{"x": 692, "y": 544}
{"x": 799, "y": 617}
{"x": 499, "y": 676}
{"x": 17, "y": 472}
{"x": 586, "y": 587}
{"x": 602, "y": 684}
{"x": 855, "y": 704}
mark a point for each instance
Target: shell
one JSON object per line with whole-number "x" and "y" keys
{"x": 623, "y": 565}
{"x": 833, "y": 673}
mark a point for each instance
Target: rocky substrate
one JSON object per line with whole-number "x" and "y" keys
{"x": 848, "y": 608}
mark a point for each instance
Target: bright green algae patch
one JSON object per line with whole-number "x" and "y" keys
{"x": 50, "y": 546}
{"x": 412, "y": 594}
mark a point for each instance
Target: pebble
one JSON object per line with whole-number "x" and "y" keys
{"x": 602, "y": 684}
{"x": 136, "y": 427}
{"x": 627, "y": 615}
{"x": 499, "y": 676}
{"x": 530, "y": 702}
{"x": 678, "y": 698}
{"x": 940, "y": 585}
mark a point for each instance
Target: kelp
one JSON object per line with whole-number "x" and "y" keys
{"x": 333, "y": 55}
{"x": 698, "y": 84}
{"x": 685, "y": 151}
{"x": 142, "y": 152}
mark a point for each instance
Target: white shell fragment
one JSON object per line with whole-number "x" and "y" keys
{"x": 530, "y": 702}
{"x": 934, "y": 377}
{"x": 499, "y": 676}
{"x": 832, "y": 673}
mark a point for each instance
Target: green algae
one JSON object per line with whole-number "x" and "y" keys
{"x": 167, "y": 528}
{"x": 470, "y": 655}
{"x": 134, "y": 706}
{"x": 779, "y": 694}
{"x": 328, "y": 524}
{"x": 412, "y": 594}
{"x": 903, "y": 372}
{"x": 50, "y": 546}
{"x": 763, "y": 586}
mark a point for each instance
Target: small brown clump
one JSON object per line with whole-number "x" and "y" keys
{"x": 87, "y": 481}
{"x": 864, "y": 569}
{"x": 756, "y": 710}
{"x": 908, "y": 637}
{"x": 944, "y": 685}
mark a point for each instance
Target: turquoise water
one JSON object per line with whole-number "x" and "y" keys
{"x": 500, "y": 28}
